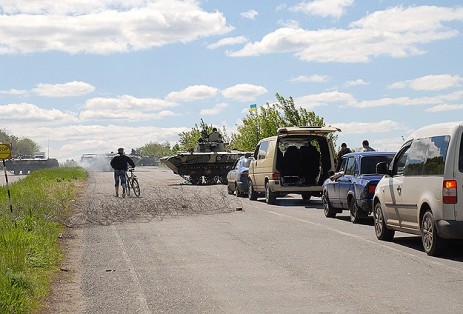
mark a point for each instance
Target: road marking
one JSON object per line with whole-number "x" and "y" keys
{"x": 139, "y": 291}
{"x": 414, "y": 257}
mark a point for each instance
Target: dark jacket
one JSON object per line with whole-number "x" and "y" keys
{"x": 120, "y": 162}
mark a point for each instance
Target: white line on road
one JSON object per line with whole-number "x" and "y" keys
{"x": 139, "y": 291}
{"x": 414, "y": 257}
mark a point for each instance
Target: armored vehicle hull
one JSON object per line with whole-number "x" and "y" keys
{"x": 25, "y": 166}
{"x": 202, "y": 168}
{"x": 209, "y": 163}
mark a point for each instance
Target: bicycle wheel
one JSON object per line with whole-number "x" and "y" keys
{"x": 128, "y": 185}
{"x": 136, "y": 187}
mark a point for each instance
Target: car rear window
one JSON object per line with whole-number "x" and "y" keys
{"x": 368, "y": 163}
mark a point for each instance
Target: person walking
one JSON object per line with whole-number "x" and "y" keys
{"x": 366, "y": 146}
{"x": 120, "y": 164}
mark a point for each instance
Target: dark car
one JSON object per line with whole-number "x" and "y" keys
{"x": 238, "y": 177}
{"x": 353, "y": 185}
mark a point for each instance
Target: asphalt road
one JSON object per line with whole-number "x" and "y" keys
{"x": 186, "y": 249}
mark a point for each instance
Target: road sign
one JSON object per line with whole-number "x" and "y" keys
{"x": 5, "y": 151}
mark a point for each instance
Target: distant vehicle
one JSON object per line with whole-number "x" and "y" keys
{"x": 96, "y": 162}
{"x": 421, "y": 191}
{"x": 353, "y": 185}
{"x": 209, "y": 163}
{"x": 28, "y": 164}
{"x": 237, "y": 178}
{"x": 296, "y": 161}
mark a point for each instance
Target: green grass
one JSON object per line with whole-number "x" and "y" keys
{"x": 29, "y": 245}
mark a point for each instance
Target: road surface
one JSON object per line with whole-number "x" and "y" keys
{"x": 194, "y": 249}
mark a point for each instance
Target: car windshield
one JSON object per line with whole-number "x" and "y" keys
{"x": 369, "y": 163}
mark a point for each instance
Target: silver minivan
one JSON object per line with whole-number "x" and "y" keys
{"x": 295, "y": 161}
{"x": 422, "y": 189}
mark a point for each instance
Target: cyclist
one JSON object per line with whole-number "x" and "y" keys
{"x": 120, "y": 164}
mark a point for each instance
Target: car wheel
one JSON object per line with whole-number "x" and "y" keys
{"x": 327, "y": 208}
{"x": 238, "y": 192}
{"x": 252, "y": 195}
{"x": 433, "y": 244}
{"x": 382, "y": 232}
{"x": 306, "y": 196}
{"x": 229, "y": 190}
{"x": 354, "y": 211}
{"x": 270, "y": 197}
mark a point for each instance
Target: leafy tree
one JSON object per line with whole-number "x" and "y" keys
{"x": 271, "y": 117}
{"x": 156, "y": 149}
{"x": 19, "y": 146}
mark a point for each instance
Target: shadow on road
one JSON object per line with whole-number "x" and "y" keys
{"x": 453, "y": 251}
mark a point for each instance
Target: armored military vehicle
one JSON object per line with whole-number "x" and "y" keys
{"x": 31, "y": 163}
{"x": 209, "y": 163}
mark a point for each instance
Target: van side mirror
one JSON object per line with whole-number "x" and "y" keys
{"x": 382, "y": 168}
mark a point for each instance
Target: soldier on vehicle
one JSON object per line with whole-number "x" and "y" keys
{"x": 215, "y": 136}
{"x": 120, "y": 164}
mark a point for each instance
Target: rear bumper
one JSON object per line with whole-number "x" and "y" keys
{"x": 276, "y": 187}
{"x": 450, "y": 229}
{"x": 242, "y": 186}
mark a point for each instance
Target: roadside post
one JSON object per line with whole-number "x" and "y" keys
{"x": 5, "y": 153}
{"x": 253, "y": 110}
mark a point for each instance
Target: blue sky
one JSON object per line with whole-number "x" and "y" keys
{"x": 89, "y": 76}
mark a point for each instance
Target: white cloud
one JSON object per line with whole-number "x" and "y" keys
{"x": 250, "y": 14}
{"x": 127, "y": 108}
{"x": 324, "y": 8}
{"x": 311, "y": 79}
{"x": 430, "y": 82}
{"x": 244, "y": 92}
{"x": 214, "y": 110}
{"x": 192, "y": 93}
{"x": 446, "y": 107}
{"x": 13, "y": 92}
{"x": 74, "y": 88}
{"x": 384, "y": 126}
{"x": 103, "y": 27}
{"x": 228, "y": 42}
{"x": 323, "y": 99}
{"x": 397, "y": 32}
{"x": 31, "y": 113}
{"x": 407, "y": 101}
{"x": 358, "y": 82}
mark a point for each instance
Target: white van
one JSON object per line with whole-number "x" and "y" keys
{"x": 421, "y": 192}
{"x": 296, "y": 160}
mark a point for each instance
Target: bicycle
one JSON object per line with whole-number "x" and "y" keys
{"x": 132, "y": 183}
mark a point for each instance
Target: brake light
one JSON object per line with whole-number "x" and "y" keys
{"x": 276, "y": 175}
{"x": 371, "y": 188}
{"x": 449, "y": 192}
{"x": 244, "y": 175}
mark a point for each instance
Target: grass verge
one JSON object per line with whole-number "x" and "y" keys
{"x": 29, "y": 236}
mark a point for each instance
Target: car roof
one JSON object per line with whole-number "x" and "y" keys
{"x": 369, "y": 153}
{"x": 447, "y": 128}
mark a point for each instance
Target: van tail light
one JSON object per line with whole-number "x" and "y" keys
{"x": 371, "y": 188}
{"x": 276, "y": 175}
{"x": 449, "y": 192}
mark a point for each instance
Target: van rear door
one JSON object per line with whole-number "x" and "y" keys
{"x": 459, "y": 176}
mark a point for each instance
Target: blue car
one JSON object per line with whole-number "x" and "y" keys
{"x": 353, "y": 185}
{"x": 238, "y": 177}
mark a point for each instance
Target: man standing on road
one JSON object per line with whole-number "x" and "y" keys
{"x": 366, "y": 146}
{"x": 120, "y": 165}
{"x": 344, "y": 150}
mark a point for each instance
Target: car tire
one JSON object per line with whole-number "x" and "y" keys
{"x": 238, "y": 192}
{"x": 382, "y": 232}
{"x": 433, "y": 244}
{"x": 270, "y": 197}
{"x": 354, "y": 211}
{"x": 327, "y": 208}
{"x": 306, "y": 196}
{"x": 252, "y": 195}
{"x": 229, "y": 190}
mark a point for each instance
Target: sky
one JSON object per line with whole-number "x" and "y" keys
{"x": 89, "y": 76}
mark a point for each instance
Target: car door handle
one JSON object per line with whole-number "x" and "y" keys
{"x": 399, "y": 189}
